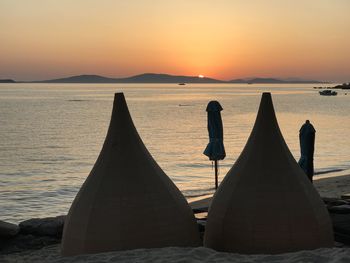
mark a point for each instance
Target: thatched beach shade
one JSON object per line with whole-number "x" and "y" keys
{"x": 127, "y": 201}
{"x": 266, "y": 204}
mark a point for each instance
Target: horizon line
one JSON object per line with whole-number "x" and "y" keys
{"x": 248, "y": 78}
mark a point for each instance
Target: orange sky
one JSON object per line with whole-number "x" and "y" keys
{"x": 223, "y": 39}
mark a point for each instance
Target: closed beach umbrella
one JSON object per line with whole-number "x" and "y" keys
{"x": 215, "y": 149}
{"x": 307, "y": 147}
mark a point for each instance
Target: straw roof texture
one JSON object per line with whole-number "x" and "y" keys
{"x": 266, "y": 204}
{"x": 127, "y": 201}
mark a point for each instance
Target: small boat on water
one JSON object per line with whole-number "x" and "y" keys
{"x": 328, "y": 92}
{"x": 182, "y": 84}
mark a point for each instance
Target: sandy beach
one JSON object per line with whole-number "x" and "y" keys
{"x": 175, "y": 254}
{"x": 334, "y": 186}
{"x": 331, "y": 187}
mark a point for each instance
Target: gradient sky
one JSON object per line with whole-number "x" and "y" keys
{"x": 224, "y": 39}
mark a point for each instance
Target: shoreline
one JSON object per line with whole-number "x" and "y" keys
{"x": 329, "y": 186}
{"x": 332, "y": 185}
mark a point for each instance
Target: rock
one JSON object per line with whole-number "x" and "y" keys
{"x": 337, "y": 202}
{"x": 50, "y": 226}
{"x": 8, "y": 230}
{"x": 30, "y": 234}
{"x": 24, "y": 242}
{"x": 340, "y": 209}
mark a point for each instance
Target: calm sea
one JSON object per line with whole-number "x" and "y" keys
{"x": 51, "y": 134}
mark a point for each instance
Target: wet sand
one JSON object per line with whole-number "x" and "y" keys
{"x": 329, "y": 186}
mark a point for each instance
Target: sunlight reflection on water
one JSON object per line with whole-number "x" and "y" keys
{"x": 51, "y": 134}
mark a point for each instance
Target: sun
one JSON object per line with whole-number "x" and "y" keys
{"x": 200, "y": 76}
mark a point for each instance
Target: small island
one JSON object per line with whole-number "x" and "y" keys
{"x": 342, "y": 86}
{"x": 7, "y": 81}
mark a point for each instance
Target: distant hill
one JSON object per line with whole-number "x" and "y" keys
{"x": 273, "y": 80}
{"x": 342, "y": 86}
{"x": 7, "y": 81}
{"x": 166, "y": 78}
{"x": 142, "y": 78}
{"x": 80, "y": 79}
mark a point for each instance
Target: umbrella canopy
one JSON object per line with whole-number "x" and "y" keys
{"x": 265, "y": 204}
{"x": 307, "y": 147}
{"x": 215, "y": 149}
{"x": 127, "y": 201}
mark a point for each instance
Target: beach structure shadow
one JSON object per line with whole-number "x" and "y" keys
{"x": 127, "y": 201}
{"x": 266, "y": 204}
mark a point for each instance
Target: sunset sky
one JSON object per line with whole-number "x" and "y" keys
{"x": 223, "y": 39}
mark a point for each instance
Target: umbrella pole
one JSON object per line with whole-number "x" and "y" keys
{"x": 216, "y": 174}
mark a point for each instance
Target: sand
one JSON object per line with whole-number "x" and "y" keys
{"x": 175, "y": 254}
{"x": 331, "y": 186}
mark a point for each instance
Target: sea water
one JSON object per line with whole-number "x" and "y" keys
{"x": 51, "y": 134}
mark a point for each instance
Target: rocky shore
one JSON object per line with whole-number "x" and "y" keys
{"x": 34, "y": 233}
{"x": 37, "y": 233}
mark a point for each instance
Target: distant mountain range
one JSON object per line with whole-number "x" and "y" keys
{"x": 142, "y": 78}
{"x": 160, "y": 78}
{"x": 273, "y": 80}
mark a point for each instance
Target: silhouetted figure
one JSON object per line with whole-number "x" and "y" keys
{"x": 307, "y": 147}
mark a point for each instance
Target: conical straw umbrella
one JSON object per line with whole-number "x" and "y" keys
{"x": 215, "y": 149}
{"x": 307, "y": 146}
{"x": 127, "y": 201}
{"x": 266, "y": 204}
